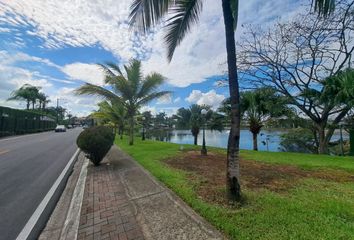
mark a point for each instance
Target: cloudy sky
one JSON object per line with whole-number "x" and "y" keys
{"x": 55, "y": 44}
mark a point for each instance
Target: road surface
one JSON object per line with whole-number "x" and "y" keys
{"x": 29, "y": 165}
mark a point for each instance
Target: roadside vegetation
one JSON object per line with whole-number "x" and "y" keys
{"x": 285, "y": 195}
{"x": 129, "y": 90}
{"x": 95, "y": 142}
{"x": 37, "y": 103}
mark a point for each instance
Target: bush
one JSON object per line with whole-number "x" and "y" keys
{"x": 96, "y": 142}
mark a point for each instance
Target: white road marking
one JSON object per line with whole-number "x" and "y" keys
{"x": 36, "y": 215}
{"x": 4, "y": 151}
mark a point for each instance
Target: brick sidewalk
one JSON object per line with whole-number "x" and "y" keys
{"x": 106, "y": 212}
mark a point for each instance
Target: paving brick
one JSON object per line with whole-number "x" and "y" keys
{"x": 106, "y": 211}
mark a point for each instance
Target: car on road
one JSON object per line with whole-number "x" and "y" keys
{"x": 60, "y": 128}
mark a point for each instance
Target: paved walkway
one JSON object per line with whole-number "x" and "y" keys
{"x": 123, "y": 201}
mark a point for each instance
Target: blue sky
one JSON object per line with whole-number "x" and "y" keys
{"x": 56, "y": 44}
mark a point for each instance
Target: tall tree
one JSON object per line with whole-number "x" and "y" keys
{"x": 305, "y": 60}
{"x": 130, "y": 89}
{"x": 43, "y": 100}
{"x": 182, "y": 14}
{"x": 193, "y": 119}
{"x": 259, "y": 106}
{"x": 27, "y": 93}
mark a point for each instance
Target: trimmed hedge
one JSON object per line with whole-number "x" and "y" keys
{"x": 16, "y": 121}
{"x": 96, "y": 142}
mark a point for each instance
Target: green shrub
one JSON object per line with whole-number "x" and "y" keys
{"x": 96, "y": 142}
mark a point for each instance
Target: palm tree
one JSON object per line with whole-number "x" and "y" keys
{"x": 192, "y": 118}
{"x": 196, "y": 120}
{"x": 260, "y": 106}
{"x": 114, "y": 113}
{"x": 182, "y": 14}
{"x": 131, "y": 89}
{"x": 43, "y": 100}
{"x": 28, "y": 93}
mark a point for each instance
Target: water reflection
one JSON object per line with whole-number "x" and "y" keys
{"x": 268, "y": 140}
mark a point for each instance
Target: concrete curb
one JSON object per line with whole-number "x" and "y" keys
{"x": 65, "y": 219}
{"x": 39, "y": 218}
{"x": 71, "y": 225}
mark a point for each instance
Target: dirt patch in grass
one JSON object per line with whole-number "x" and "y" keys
{"x": 209, "y": 171}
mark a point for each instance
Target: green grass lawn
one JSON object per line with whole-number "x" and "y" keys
{"x": 313, "y": 209}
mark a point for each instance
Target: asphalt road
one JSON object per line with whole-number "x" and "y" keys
{"x": 29, "y": 165}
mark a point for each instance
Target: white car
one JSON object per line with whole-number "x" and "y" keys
{"x": 60, "y": 128}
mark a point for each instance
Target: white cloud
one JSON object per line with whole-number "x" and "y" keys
{"x": 147, "y": 108}
{"x": 90, "y": 73}
{"x": 12, "y": 77}
{"x": 104, "y": 23}
{"x": 77, "y": 105}
{"x": 177, "y": 100}
{"x": 155, "y": 110}
{"x": 166, "y": 99}
{"x": 210, "y": 98}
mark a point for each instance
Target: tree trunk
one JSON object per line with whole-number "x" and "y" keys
{"x": 120, "y": 132}
{"x": 195, "y": 139}
{"x": 233, "y": 164}
{"x": 28, "y": 104}
{"x": 33, "y": 104}
{"x": 322, "y": 143}
{"x": 131, "y": 131}
{"x": 255, "y": 142}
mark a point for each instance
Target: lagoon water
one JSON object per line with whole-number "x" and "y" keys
{"x": 268, "y": 140}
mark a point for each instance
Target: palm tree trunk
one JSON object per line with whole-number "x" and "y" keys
{"x": 255, "y": 142}
{"x": 131, "y": 131}
{"x": 233, "y": 161}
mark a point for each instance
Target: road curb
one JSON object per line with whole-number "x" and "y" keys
{"x": 72, "y": 221}
{"x": 39, "y": 218}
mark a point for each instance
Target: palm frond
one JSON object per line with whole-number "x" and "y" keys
{"x": 134, "y": 75}
{"x": 94, "y": 90}
{"x": 108, "y": 72}
{"x": 114, "y": 66}
{"x": 122, "y": 86}
{"x": 151, "y": 82}
{"x": 324, "y": 7}
{"x": 185, "y": 14}
{"x": 152, "y": 96}
{"x": 146, "y": 13}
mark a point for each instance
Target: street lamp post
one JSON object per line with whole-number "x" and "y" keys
{"x": 143, "y": 134}
{"x": 203, "y": 151}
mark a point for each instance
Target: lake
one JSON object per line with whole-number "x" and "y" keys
{"x": 268, "y": 140}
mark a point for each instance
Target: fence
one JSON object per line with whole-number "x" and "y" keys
{"x": 14, "y": 121}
